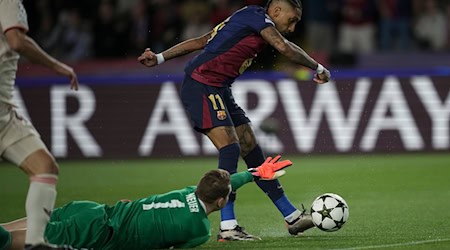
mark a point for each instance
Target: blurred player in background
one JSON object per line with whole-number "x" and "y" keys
{"x": 228, "y": 50}
{"x": 175, "y": 219}
{"x": 20, "y": 142}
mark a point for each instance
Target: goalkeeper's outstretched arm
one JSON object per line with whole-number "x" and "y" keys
{"x": 240, "y": 179}
{"x": 271, "y": 169}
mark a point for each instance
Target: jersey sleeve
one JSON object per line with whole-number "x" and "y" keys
{"x": 12, "y": 15}
{"x": 257, "y": 19}
{"x": 240, "y": 179}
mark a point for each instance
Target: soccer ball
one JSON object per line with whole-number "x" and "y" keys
{"x": 329, "y": 212}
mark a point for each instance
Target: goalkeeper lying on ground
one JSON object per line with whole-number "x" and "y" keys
{"x": 175, "y": 219}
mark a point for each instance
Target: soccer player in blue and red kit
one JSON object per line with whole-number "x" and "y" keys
{"x": 228, "y": 50}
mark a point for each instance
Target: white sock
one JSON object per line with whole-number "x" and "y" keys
{"x": 293, "y": 216}
{"x": 39, "y": 205}
{"x": 228, "y": 224}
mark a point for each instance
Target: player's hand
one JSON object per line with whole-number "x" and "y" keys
{"x": 68, "y": 71}
{"x": 321, "y": 78}
{"x": 271, "y": 168}
{"x": 148, "y": 58}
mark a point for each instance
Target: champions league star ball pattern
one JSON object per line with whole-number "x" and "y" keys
{"x": 329, "y": 212}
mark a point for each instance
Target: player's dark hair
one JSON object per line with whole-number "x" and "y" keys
{"x": 214, "y": 185}
{"x": 294, "y": 3}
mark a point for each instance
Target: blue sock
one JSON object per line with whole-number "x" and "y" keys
{"x": 227, "y": 213}
{"x": 229, "y": 157}
{"x": 228, "y": 160}
{"x": 284, "y": 206}
{"x": 273, "y": 188}
{"x": 5, "y": 239}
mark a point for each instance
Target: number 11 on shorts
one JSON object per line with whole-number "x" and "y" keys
{"x": 214, "y": 99}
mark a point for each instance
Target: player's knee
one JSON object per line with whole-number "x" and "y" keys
{"x": 40, "y": 162}
{"x": 52, "y": 167}
{"x": 222, "y": 136}
{"x": 49, "y": 166}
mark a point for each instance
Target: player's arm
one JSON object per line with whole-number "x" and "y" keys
{"x": 240, "y": 179}
{"x": 150, "y": 59}
{"x": 26, "y": 46}
{"x": 294, "y": 53}
{"x": 271, "y": 169}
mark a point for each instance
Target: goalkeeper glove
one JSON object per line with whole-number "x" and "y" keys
{"x": 271, "y": 169}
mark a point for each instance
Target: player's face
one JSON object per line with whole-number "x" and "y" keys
{"x": 287, "y": 18}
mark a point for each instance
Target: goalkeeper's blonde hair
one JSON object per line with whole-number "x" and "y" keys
{"x": 215, "y": 184}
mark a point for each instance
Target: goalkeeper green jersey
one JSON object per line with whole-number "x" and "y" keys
{"x": 175, "y": 219}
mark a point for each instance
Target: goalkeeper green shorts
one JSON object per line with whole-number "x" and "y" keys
{"x": 80, "y": 224}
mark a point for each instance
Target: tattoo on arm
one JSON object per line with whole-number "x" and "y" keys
{"x": 287, "y": 48}
{"x": 186, "y": 47}
{"x": 175, "y": 52}
{"x": 274, "y": 38}
{"x": 301, "y": 57}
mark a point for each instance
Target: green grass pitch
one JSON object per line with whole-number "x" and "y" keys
{"x": 396, "y": 201}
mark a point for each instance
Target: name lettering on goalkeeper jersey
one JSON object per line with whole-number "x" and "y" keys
{"x": 192, "y": 203}
{"x": 159, "y": 205}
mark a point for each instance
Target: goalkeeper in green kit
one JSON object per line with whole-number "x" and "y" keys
{"x": 175, "y": 219}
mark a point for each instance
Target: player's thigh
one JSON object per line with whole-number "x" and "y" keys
{"x": 222, "y": 136}
{"x": 32, "y": 156}
{"x": 21, "y": 145}
{"x": 205, "y": 105}
{"x": 40, "y": 162}
{"x": 247, "y": 138}
{"x": 241, "y": 122}
{"x": 237, "y": 114}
